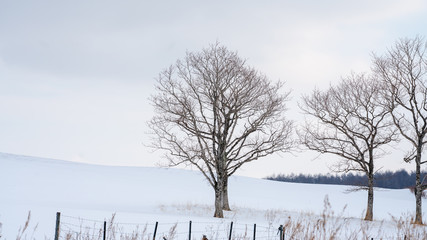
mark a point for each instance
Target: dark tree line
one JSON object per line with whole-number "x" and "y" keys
{"x": 388, "y": 179}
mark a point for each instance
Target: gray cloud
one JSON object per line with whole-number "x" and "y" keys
{"x": 75, "y": 76}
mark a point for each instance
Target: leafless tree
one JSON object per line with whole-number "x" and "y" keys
{"x": 350, "y": 122}
{"x": 403, "y": 68}
{"x": 215, "y": 113}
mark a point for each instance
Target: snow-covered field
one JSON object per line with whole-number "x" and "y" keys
{"x": 138, "y": 197}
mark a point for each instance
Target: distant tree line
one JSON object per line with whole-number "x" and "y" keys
{"x": 388, "y": 179}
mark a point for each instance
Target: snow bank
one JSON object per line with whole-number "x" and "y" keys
{"x": 146, "y": 195}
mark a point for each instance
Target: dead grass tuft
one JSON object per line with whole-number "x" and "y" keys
{"x": 406, "y": 229}
{"x": 326, "y": 226}
{"x": 23, "y": 233}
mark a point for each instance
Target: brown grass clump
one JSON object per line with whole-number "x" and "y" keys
{"x": 22, "y": 232}
{"x": 406, "y": 229}
{"x": 330, "y": 226}
{"x": 327, "y": 226}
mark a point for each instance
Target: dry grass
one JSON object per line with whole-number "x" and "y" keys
{"x": 407, "y": 230}
{"x": 326, "y": 226}
{"x": 330, "y": 225}
{"x": 23, "y": 230}
{"x": 114, "y": 231}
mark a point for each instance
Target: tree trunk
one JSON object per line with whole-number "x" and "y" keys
{"x": 218, "y": 205}
{"x": 225, "y": 203}
{"x": 418, "y": 190}
{"x": 219, "y": 213}
{"x": 370, "y": 207}
{"x": 370, "y": 174}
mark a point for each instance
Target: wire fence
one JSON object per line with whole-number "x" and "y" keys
{"x": 77, "y": 228}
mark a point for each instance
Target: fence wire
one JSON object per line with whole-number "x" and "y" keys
{"x": 77, "y": 228}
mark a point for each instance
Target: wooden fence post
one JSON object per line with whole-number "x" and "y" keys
{"x": 58, "y": 222}
{"x": 254, "y": 230}
{"x": 231, "y": 231}
{"x": 105, "y": 230}
{"x": 281, "y": 232}
{"x": 189, "y": 231}
{"x": 155, "y": 231}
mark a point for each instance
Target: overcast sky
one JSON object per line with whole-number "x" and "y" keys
{"x": 75, "y": 76}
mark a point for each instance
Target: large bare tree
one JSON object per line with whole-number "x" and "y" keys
{"x": 350, "y": 121}
{"x": 215, "y": 113}
{"x": 403, "y": 68}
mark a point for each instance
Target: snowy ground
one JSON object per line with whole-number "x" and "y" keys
{"x": 138, "y": 197}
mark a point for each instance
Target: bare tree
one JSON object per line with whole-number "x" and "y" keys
{"x": 403, "y": 68}
{"x": 351, "y": 123}
{"x": 215, "y": 113}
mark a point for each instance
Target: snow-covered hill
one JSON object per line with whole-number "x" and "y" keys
{"x": 146, "y": 195}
